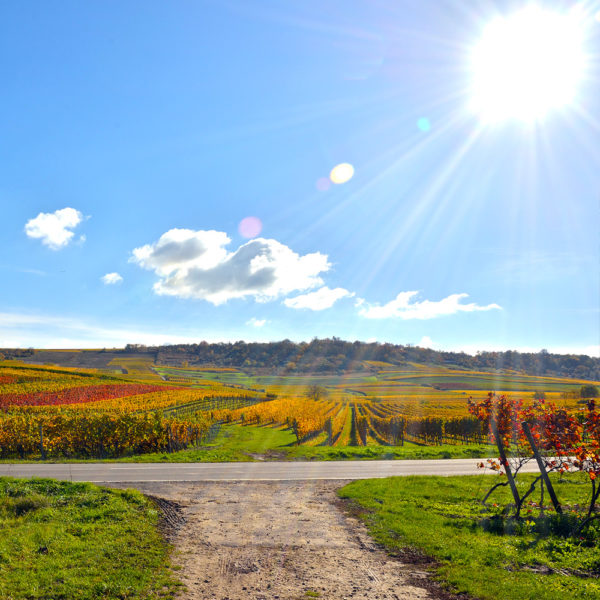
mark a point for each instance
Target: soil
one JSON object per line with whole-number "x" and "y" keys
{"x": 284, "y": 540}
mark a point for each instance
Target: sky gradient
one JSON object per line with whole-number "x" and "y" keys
{"x": 164, "y": 177}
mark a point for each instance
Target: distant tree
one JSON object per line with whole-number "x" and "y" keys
{"x": 588, "y": 391}
{"x": 316, "y": 392}
{"x": 539, "y": 395}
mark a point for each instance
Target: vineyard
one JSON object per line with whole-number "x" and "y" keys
{"x": 353, "y": 423}
{"x": 64, "y": 412}
{"x": 387, "y": 406}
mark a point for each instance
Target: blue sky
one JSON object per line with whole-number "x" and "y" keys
{"x": 136, "y": 137}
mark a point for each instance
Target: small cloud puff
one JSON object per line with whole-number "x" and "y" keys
{"x": 54, "y": 229}
{"x": 405, "y": 306}
{"x": 111, "y": 278}
{"x": 426, "y": 342}
{"x": 256, "y": 322}
{"x": 318, "y": 300}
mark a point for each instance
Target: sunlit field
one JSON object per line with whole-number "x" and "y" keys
{"x": 54, "y": 412}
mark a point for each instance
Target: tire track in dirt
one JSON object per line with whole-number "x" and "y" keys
{"x": 279, "y": 541}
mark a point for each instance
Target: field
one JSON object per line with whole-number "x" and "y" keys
{"x": 134, "y": 410}
{"x": 131, "y": 408}
{"x": 50, "y": 412}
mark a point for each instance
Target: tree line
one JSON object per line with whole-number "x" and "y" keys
{"x": 333, "y": 355}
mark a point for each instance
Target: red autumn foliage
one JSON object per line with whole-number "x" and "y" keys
{"x": 77, "y": 395}
{"x": 568, "y": 442}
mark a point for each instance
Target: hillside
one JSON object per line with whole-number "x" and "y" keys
{"x": 326, "y": 356}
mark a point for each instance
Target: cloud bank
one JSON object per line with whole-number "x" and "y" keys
{"x": 22, "y": 330}
{"x": 197, "y": 264}
{"x": 54, "y": 229}
{"x": 405, "y": 306}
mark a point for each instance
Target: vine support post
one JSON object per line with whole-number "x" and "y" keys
{"x": 42, "y": 449}
{"x": 542, "y": 467}
{"x": 505, "y": 464}
{"x": 329, "y": 429}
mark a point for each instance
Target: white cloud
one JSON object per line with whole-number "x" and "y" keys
{"x": 318, "y": 300}
{"x": 111, "y": 278}
{"x": 196, "y": 264}
{"x": 426, "y": 342}
{"x": 405, "y": 306}
{"x": 256, "y": 322}
{"x": 181, "y": 249}
{"x": 54, "y": 229}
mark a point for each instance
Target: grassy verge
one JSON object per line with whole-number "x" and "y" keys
{"x": 406, "y": 452}
{"x": 64, "y": 540}
{"x": 440, "y": 516}
{"x": 236, "y": 443}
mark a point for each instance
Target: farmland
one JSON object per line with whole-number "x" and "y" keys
{"x": 146, "y": 412}
{"x": 137, "y": 408}
{"x": 47, "y": 412}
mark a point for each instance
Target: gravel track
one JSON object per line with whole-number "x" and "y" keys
{"x": 279, "y": 541}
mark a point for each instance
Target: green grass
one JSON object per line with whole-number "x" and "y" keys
{"x": 407, "y": 452}
{"x": 234, "y": 443}
{"x": 441, "y": 517}
{"x": 61, "y": 541}
{"x": 238, "y": 443}
{"x": 480, "y": 381}
{"x": 239, "y": 377}
{"x": 489, "y": 382}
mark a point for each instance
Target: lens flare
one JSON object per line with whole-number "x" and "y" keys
{"x": 341, "y": 173}
{"x": 424, "y": 124}
{"x": 250, "y": 227}
{"x": 323, "y": 184}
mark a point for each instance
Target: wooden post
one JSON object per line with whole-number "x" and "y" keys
{"x": 42, "y": 450}
{"x": 509, "y": 475}
{"x": 542, "y": 467}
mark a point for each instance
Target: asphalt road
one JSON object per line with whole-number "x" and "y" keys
{"x": 252, "y": 471}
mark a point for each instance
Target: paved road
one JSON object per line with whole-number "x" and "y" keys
{"x": 255, "y": 471}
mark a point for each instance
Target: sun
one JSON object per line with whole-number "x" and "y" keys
{"x": 527, "y": 65}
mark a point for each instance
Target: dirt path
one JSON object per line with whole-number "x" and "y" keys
{"x": 279, "y": 540}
